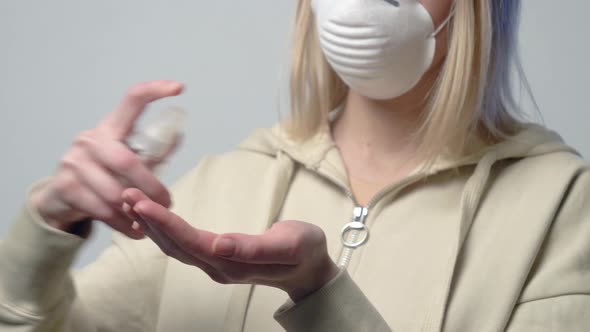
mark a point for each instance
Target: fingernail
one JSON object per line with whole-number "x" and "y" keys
{"x": 139, "y": 212}
{"x": 136, "y": 227}
{"x": 224, "y": 247}
{"x": 137, "y": 235}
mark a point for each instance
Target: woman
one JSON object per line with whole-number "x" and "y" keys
{"x": 465, "y": 218}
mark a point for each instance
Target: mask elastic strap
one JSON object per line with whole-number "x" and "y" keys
{"x": 444, "y": 23}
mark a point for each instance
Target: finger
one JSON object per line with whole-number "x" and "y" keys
{"x": 130, "y": 213}
{"x": 132, "y": 196}
{"x": 124, "y": 225}
{"x": 99, "y": 180}
{"x": 257, "y": 249}
{"x": 264, "y": 274}
{"x": 169, "y": 247}
{"x": 285, "y": 243}
{"x": 117, "y": 158}
{"x": 193, "y": 241}
{"x": 133, "y": 216}
{"x": 120, "y": 122}
{"x": 195, "y": 251}
{"x": 84, "y": 200}
{"x": 180, "y": 240}
{"x": 165, "y": 244}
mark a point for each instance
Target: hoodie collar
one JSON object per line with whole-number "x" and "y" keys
{"x": 532, "y": 140}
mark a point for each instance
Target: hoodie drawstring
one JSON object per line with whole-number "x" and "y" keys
{"x": 470, "y": 200}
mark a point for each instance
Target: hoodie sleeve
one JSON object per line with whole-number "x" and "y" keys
{"x": 119, "y": 292}
{"x": 556, "y": 296}
{"x": 338, "y": 306}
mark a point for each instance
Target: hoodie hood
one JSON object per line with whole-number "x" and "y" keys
{"x": 532, "y": 140}
{"x": 321, "y": 152}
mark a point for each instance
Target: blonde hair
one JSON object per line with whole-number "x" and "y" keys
{"x": 472, "y": 94}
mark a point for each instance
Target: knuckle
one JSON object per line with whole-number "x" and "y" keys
{"x": 86, "y": 135}
{"x": 85, "y": 141}
{"x": 67, "y": 184}
{"x": 125, "y": 163}
{"x": 68, "y": 162}
{"x": 250, "y": 252}
{"x": 309, "y": 233}
{"x": 318, "y": 235}
{"x": 113, "y": 197}
{"x": 298, "y": 238}
{"x": 162, "y": 195}
{"x": 155, "y": 190}
{"x": 73, "y": 160}
{"x": 69, "y": 198}
{"x": 295, "y": 248}
{"x": 107, "y": 215}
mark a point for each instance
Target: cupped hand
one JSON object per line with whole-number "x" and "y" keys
{"x": 291, "y": 255}
{"x": 93, "y": 174}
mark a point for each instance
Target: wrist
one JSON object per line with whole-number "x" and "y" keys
{"x": 80, "y": 228}
{"x": 317, "y": 279}
{"x": 76, "y": 224}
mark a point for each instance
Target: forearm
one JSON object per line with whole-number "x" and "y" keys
{"x": 339, "y": 306}
{"x": 34, "y": 271}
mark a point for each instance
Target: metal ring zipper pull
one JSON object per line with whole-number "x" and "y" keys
{"x": 355, "y": 241}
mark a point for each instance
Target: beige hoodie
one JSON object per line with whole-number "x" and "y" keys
{"x": 499, "y": 241}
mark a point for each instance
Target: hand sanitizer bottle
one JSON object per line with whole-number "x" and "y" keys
{"x": 156, "y": 140}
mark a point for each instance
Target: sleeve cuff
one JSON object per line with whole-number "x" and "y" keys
{"x": 34, "y": 262}
{"x": 339, "y": 306}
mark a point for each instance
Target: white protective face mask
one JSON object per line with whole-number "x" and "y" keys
{"x": 380, "y": 48}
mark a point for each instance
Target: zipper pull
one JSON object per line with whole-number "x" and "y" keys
{"x": 360, "y": 231}
{"x": 354, "y": 235}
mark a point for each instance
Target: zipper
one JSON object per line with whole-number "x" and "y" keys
{"x": 350, "y": 235}
{"x": 358, "y": 226}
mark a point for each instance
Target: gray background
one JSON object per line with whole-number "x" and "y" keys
{"x": 65, "y": 64}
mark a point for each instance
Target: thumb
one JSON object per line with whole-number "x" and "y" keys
{"x": 119, "y": 123}
{"x": 285, "y": 243}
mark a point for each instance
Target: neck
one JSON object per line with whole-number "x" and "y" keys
{"x": 376, "y": 138}
{"x": 378, "y": 128}
{"x": 382, "y": 129}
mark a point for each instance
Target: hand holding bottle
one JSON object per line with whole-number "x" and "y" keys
{"x": 100, "y": 165}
